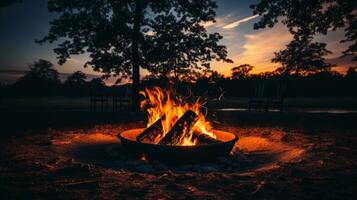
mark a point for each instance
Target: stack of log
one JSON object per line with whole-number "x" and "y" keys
{"x": 154, "y": 133}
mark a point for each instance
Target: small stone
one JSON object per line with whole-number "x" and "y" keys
{"x": 36, "y": 166}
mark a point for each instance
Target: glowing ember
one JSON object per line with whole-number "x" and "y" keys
{"x": 169, "y": 107}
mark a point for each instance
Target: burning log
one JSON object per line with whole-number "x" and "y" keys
{"x": 202, "y": 138}
{"x": 153, "y": 133}
{"x": 180, "y": 129}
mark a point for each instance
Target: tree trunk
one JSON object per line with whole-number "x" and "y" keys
{"x": 135, "y": 56}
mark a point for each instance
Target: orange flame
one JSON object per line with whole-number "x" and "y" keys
{"x": 160, "y": 102}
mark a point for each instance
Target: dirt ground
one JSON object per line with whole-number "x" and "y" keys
{"x": 268, "y": 162}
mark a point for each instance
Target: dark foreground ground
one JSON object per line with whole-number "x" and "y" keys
{"x": 54, "y": 155}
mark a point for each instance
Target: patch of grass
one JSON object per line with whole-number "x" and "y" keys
{"x": 49, "y": 104}
{"x": 313, "y": 103}
{"x": 82, "y": 104}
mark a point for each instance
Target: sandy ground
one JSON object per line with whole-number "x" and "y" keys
{"x": 268, "y": 162}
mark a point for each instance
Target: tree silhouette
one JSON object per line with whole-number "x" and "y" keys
{"x": 77, "y": 78}
{"x": 317, "y": 16}
{"x": 351, "y": 73}
{"x": 302, "y": 56}
{"x": 173, "y": 49}
{"x": 215, "y": 77}
{"x": 96, "y": 84}
{"x": 75, "y": 84}
{"x": 42, "y": 70}
{"x": 165, "y": 37}
{"x": 41, "y": 79}
{"x": 241, "y": 71}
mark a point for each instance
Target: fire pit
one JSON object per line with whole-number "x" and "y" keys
{"x": 177, "y": 130}
{"x": 200, "y": 152}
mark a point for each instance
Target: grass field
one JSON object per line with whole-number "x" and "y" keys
{"x": 309, "y": 103}
{"x": 82, "y": 104}
{"x": 47, "y": 104}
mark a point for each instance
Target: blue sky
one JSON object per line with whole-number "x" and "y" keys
{"x": 21, "y": 24}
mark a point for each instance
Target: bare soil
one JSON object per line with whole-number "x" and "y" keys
{"x": 269, "y": 162}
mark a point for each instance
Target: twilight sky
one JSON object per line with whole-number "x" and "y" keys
{"x": 21, "y": 24}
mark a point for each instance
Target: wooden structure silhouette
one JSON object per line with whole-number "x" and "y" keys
{"x": 118, "y": 102}
{"x": 98, "y": 98}
{"x": 101, "y": 99}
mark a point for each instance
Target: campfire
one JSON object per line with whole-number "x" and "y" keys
{"x": 176, "y": 127}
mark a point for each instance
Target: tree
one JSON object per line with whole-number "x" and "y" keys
{"x": 77, "y": 78}
{"x": 41, "y": 79}
{"x": 302, "y": 57}
{"x": 164, "y": 37}
{"x": 241, "y": 71}
{"x": 351, "y": 73}
{"x": 43, "y": 71}
{"x": 96, "y": 83}
{"x": 316, "y": 16}
{"x": 75, "y": 84}
{"x": 215, "y": 77}
{"x": 97, "y": 87}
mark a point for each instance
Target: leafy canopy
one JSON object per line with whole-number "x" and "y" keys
{"x": 78, "y": 78}
{"x": 302, "y": 57}
{"x": 41, "y": 80}
{"x": 311, "y": 17}
{"x": 41, "y": 71}
{"x": 241, "y": 71}
{"x": 172, "y": 39}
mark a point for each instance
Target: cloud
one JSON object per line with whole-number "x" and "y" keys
{"x": 220, "y": 21}
{"x": 208, "y": 24}
{"x": 341, "y": 63}
{"x": 150, "y": 33}
{"x": 238, "y": 22}
{"x": 336, "y": 47}
{"x": 259, "y": 47}
{"x": 256, "y": 48}
{"x": 10, "y": 75}
{"x": 73, "y": 60}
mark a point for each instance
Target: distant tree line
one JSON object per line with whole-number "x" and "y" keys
{"x": 242, "y": 83}
{"x": 42, "y": 80}
{"x": 168, "y": 39}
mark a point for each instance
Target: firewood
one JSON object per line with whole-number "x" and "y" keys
{"x": 204, "y": 138}
{"x": 180, "y": 129}
{"x": 153, "y": 133}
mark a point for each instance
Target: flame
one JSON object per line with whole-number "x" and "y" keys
{"x": 167, "y": 103}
